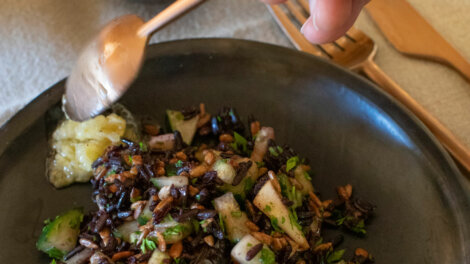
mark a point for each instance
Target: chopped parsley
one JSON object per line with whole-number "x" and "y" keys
{"x": 147, "y": 244}
{"x": 267, "y": 208}
{"x": 274, "y": 224}
{"x": 293, "y": 219}
{"x": 53, "y": 262}
{"x": 236, "y": 213}
{"x": 359, "y": 228}
{"x": 267, "y": 256}
{"x": 55, "y": 253}
{"x": 130, "y": 158}
{"x": 143, "y": 146}
{"x": 173, "y": 231}
{"x": 221, "y": 223}
{"x": 111, "y": 172}
{"x": 283, "y": 220}
{"x": 142, "y": 220}
{"x": 249, "y": 244}
{"x": 135, "y": 199}
{"x": 307, "y": 176}
{"x": 171, "y": 170}
{"x": 117, "y": 234}
{"x": 289, "y": 191}
{"x": 292, "y": 163}
{"x": 248, "y": 184}
{"x": 240, "y": 144}
{"x": 273, "y": 151}
{"x": 179, "y": 164}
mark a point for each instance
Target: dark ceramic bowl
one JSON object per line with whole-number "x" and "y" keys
{"x": 350, "y": 131}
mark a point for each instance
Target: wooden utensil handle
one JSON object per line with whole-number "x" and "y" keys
{"x": 450, "y": 142}
{"x": 458, "y": 62}
{"x": 170, "y": 13}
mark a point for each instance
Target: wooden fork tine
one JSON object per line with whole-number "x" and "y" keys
{"x": 354, "y": 33}
{"x": 343, "y": 41}
{"x": 293, "y": 32}
{"x": 330, "y": 48}
{"x": 305, "y": 5}
{"x": 296, "y": 12}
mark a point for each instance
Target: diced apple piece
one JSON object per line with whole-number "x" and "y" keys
{"x": 269, "y": 201}
{"x": 234, "y": 219}
{"x": 247, "y": 183}
{"x": 302, "y": 177}
{"x": 225, "y": 171}
{"x": 261, "y": 143}
{"x": 187, "y": 128}
{"x": 241, "y": 249}
{"x": 126, "y": 229}
{"x": 177, "y": 181}
{"x": 159, "y": 257}
{"x": 162, "y": 142}
{"x": 173, "y": 231}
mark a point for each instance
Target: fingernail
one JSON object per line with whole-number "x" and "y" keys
{"x": 303, "y": 26}
{"x": 313, "y": 13}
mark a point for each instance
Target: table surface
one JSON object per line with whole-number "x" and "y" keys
{"x": 41, "y": 39}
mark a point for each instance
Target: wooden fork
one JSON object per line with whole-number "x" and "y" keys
{"x": 356, "y": 51}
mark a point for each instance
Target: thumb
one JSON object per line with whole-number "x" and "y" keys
{"x": 330, "y": 19}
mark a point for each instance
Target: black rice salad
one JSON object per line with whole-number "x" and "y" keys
{"x": 211, "y": 190}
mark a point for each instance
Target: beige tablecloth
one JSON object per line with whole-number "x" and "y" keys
{"x": 40, "y": 41}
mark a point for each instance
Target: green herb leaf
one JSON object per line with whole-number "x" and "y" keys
{"x": 55, "y": 253}
{"x": 240, "y": 144}
{"x": 130, "y": 158}
{"x": 53, "y": 262}
{"x": 135, "y": 199}
{"x": 142, "y": 220}
{"x": 359, "y": 228}
{"x": 307, "y": 176}
{"x": 292, "y": 163}
{"x": 340, "y": 221}
{"x": 171, "y": 170}
{"x": 117, "y": 234}
{"x": 275, "y": 225}
{"x": 249, "y": 244}
{"x": 174, "y": 231}
{"x": 236, "y": 214}
{"x": 267, "y": 256}
{"x": 283, "y": 220}
{"x": 293, "y": 219}
{"x": 248, "y": 184}
{"x": 143, "y": 146}
{"x": 335, "y": 256}
{"x": 179, "y": 164}
{"x": 267, "y": 208}
{"x": 289, "y": 191}
{"x": 260, "y": 164}
{"x": 221, "y": 223}
{"x": 111, "y": 172}
{"x": 273, "y": 151}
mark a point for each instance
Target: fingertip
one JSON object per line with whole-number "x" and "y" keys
{"x": 316, "y": 35}
{"x": 331, "y": 19}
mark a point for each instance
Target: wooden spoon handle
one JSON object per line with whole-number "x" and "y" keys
{"x": 444, "y": 135}
{"x": 170, "y": 13}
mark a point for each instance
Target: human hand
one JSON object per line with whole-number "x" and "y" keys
{"x": 330, "y": 19}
